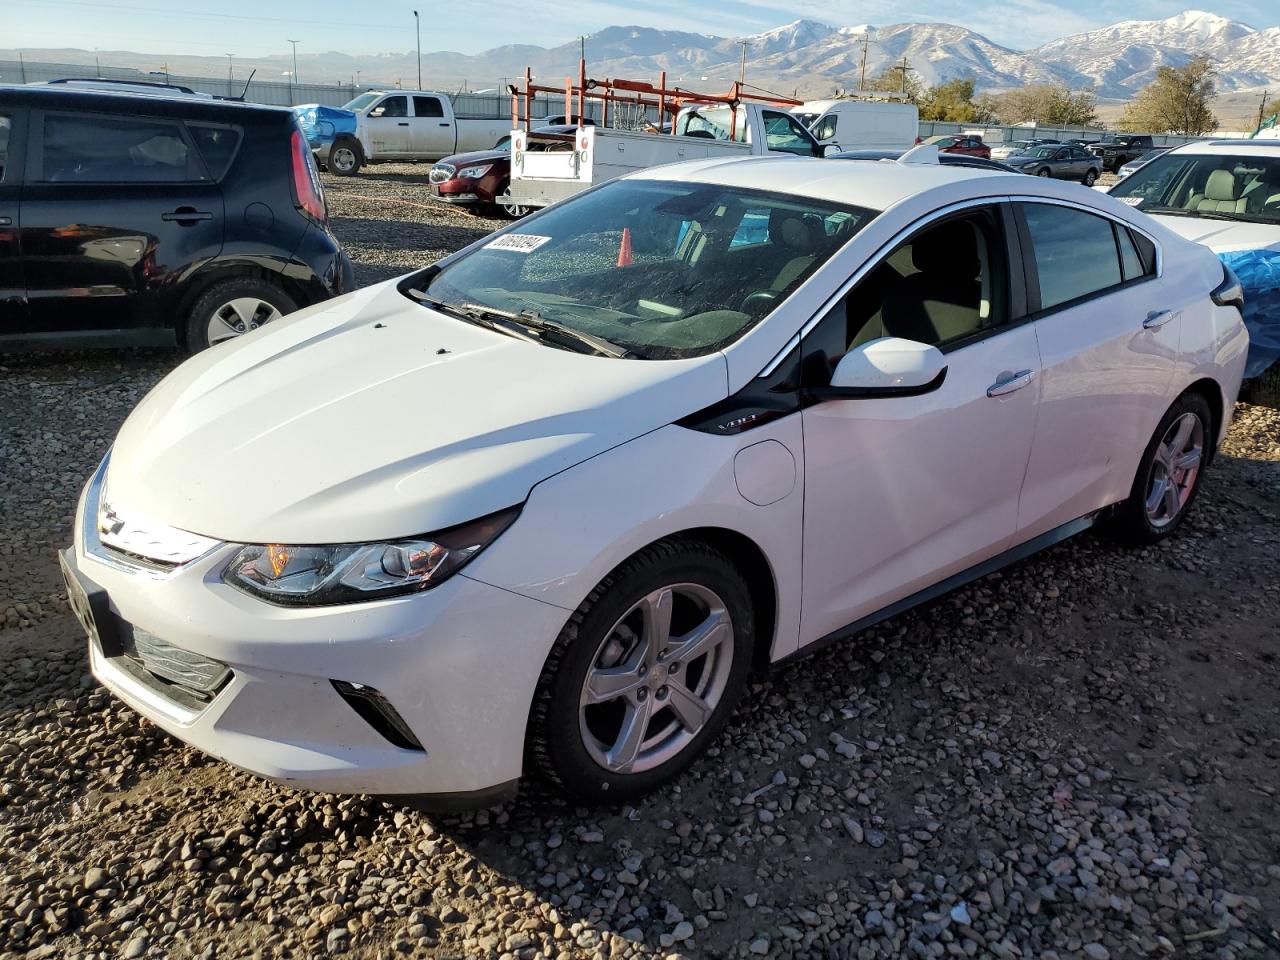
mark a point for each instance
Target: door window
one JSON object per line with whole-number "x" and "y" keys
{"x": 947, "y": 286}
{"x": 827, "y": 128}
{"x": 100, "y": 149}
{"x": 1075, "y": 253}
{"x": 217, "y": 145}
{"x": 427, "y": 107}
{"x": 391, "y": 107}
{"x": 783, "y": 132}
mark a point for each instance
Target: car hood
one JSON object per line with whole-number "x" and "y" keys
{"x": 460, "y": 160}
{"x": 372, "y": 417}
{"x": 1220, "y": 235}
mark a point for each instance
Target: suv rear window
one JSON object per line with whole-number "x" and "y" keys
{"x": 100, "y": 149}
{"x": 217, "y": 145}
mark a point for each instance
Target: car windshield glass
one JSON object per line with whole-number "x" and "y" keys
{"x": 713, "y": 122}
{"x": 1041, "y": 153}
{"x": 660, "y": 270}
{"x": 1217, "y": 186}
{"x": 360, "y": 102}
{"x": 806, "y": 118}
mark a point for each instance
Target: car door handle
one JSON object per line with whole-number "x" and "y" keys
{"x": 187, "y": 215}
{"x": 1156, "y": 319}
{"x": 442, "y": 124}
{"x": 402, "y": 123}
{"x": 1011, "y": 384}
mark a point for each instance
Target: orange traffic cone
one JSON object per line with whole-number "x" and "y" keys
{"x": 624, "y": 248}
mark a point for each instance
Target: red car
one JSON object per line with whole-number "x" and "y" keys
{"x": 483, "y": 178}
{"x": 956, "y": 143}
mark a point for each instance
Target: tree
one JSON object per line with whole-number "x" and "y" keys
{"x": 1048, "y": 104}
{"x": 1176, "y": 101}
{"x": 890, "y": 80}
{"x": 954, "y": 101}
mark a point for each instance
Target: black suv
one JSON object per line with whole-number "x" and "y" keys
{"x": 1115, "y": 152}
{"x": 140, "y": 217}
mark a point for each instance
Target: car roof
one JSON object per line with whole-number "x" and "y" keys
{"x": 1229, "y": 147}
{"x": 876, "y": 186}
{"x": 161, "y": 102}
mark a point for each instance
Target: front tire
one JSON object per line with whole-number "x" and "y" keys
{"x": 512, "y": 211}
{"x": 1043, "y": 172}
{"x": 1169, "y": 474}
{"x": 1090, "y": 177}
{"x": 231, "y": 308}
{"x": 645, "y": 675}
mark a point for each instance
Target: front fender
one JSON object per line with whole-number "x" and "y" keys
{"x": 580, "y": 524}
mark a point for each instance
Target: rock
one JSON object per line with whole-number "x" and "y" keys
{"x": 1096, "y": 951}
{"x": 96, "y": 878}
{"x": 135, "y": 947}
{"x": 960, "y": 914}
{"x": 759, "y": 946}
{"x": 683, "y": 931}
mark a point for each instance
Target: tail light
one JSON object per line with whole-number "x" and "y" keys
{"x": 919, "y": 140}
{"x": 306, "y": 181}
{"x": 1230, "y": 292}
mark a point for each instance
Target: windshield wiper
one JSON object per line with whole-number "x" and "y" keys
{"x": 471, "y": 313}
{"x": 1183, "y": 212}
{"x": 565, "y": 336}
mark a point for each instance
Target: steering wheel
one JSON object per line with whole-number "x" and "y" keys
{"x": 759, "y": 298}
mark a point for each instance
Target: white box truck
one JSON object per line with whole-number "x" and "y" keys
{"x": 851, "y": 124}
{"x": 701, "y": 131}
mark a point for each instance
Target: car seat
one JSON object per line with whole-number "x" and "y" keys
{"x": 1221, "y": 194}
{"x": 944, "y": 299}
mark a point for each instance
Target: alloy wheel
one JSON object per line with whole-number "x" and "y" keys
{"x": 656, "y": 678}
{"x": 1042, "y": 173}
{"x": 237, "y": 317}
{"x": 513, "y": 210}
{"x": 1174, "y": 470}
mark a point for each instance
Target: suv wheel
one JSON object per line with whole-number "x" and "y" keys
{"x": 344, "y": 157}
{"x": 645, "y": 674}
{"x": 232, "y": 308}
{"x": 1090, "y": 177}
{"x": 1169, "y": 474}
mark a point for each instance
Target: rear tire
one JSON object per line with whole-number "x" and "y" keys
{"x": 630, "y": 695}
{"x": 1169, "y": 474}
{"x": 231, "y": 308}
{"x": 1043, "y": 172}
{"x": 344, "y": 157}
{"x": 1091, "y": 177}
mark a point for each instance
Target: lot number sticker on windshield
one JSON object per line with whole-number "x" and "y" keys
{"x": 517, "y": 242}
{"x": 1131, "y": 201}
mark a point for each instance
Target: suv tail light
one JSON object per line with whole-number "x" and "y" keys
{"x": 306, "y": 181}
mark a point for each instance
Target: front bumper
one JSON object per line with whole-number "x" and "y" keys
{"x": 458, "y": 663}
{"x": 460, "y": 192}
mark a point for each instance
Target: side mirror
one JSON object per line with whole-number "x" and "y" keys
{"x": 830, "y": 149}
{"x": 377, "y": 111}
{"x": 888, "y": 367}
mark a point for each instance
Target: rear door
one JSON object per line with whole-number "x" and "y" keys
{"x": 432, "y": 130}
{"x": 390, "y": 128}
{"x": 1108, "y": 345}
{"x": 115, "y": 212}
{"x": 13, "y": 291}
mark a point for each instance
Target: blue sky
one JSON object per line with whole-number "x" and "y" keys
{"x": 261, "y": 27}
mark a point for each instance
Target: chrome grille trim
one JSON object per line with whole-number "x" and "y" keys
{"x": 196, "y": 673}
{"x": 132, "y": 542}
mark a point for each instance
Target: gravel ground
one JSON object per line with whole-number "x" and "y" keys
{"x": 1078, "y": 757}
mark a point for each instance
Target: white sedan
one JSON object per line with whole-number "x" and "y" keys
{"x": 541, "y": 508}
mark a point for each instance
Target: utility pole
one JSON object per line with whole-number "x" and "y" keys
{"x": 742, "y": 70}
{"x": 862, "y": 78}
{"x": 294, "y": 77}
{"x": 230, "y": 75}
{"x": 1262, "y": 110}
{"x": 417, "y": 29}
{"x": 905, "y": 69}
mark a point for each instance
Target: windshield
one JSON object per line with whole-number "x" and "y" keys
{"x": 806, "y": 118}
{"x": 714, "y": 122}
{"x": 1041, "y": 153}
{"x": 360, "y": 102}
{"x": 1232, "y": 187}
{"x": 660, "y": 270}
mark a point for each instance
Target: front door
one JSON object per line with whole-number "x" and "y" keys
{"x": 13, "y": 289}
{"x": 389, "y": 127}
{"x": 1109, "y": 350}
{"x": 115, "y": 211}
{"x": 432, "y": 132}
{"x": 903, "y": 492}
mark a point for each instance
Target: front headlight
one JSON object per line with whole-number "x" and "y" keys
{"x": 351, "y": 572}
{"x": 474, "y": 173}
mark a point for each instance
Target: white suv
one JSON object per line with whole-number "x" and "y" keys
{"x": 541, "y": 508}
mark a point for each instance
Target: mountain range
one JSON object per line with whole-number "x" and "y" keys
{"x": 809, "y": 57}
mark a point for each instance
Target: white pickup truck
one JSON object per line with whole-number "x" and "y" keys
{"x": 540, "y": 178}
{"x": 388, "y": 125}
